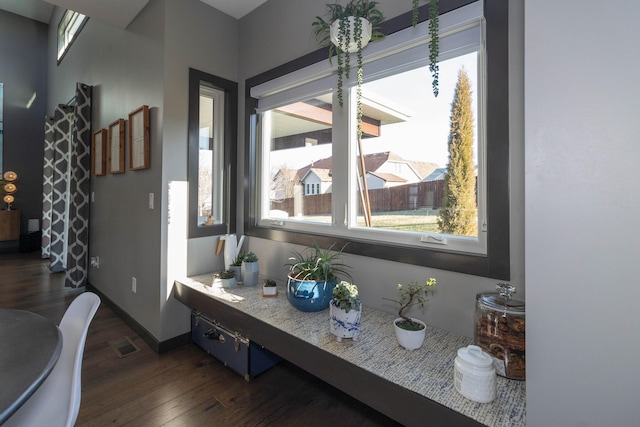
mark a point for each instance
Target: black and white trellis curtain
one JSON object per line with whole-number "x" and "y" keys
{"x": 66, "y": 187}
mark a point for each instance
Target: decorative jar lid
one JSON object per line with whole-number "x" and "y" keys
{"x": 502, "y": 300}
{"x": 473, "y": 355}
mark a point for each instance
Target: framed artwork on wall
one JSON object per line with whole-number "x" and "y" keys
{"x": 99, "y": 152}
{"x": 139, "y": 138}
{"x": 116, "y": 147}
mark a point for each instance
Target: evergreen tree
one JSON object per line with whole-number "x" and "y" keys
{"x": 459, "y": 211}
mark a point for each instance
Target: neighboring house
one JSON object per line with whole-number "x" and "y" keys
{"x": 377, "y": 180}
{"x": 384, "y": 170}
{"x": 437, "y": 175}
{"x": 440, "y": 174}
{"x": 316, "y": 181}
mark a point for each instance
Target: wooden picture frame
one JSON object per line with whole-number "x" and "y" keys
{"x": 99, "y": 152}
{"x": 139, "y": 138}
{"x": 116, "y": 147}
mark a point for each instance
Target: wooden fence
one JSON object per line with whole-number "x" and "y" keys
{"x": 421, "y": 195}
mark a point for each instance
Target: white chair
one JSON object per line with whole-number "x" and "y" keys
{"x": 56, "y": 402}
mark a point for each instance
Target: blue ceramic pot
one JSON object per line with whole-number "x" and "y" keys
{"x": 310, "y": 295}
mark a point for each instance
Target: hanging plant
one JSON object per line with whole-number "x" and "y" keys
{"x": 345, "y": 30}
{"x": 434, "y": 47}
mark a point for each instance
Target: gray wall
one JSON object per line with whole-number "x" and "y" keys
{"x": 23, "y": 70}
{"x": 582, "y": 205}
{"x": 145, "y": 64}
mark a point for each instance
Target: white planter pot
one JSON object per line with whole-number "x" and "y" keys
{"x": 269, "y": 290}
{"x": 410, "y": 340}
{"x": 343, "y": 324}
{"x": 224, "y": 283}
{"x": 250, "y": 271}
{"x": 351, "y": 45}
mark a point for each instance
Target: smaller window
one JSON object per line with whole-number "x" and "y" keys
{"x": 68, "y": 28}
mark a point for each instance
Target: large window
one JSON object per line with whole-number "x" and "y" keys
{"x": 68, "y": 29}
{"x": 389, "y": 194}
{"x": 212, "y": 130}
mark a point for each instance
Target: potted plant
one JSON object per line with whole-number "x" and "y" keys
{"x": 410, "y": 332}
{"x": 236, "y": 265}
{"x": 345, "y": 311}
{"x": 269, "y": 288}
{"x": 348, "y": 29}
{"x": 224, "y": 279}
{"x": 313, "y": 274}
{"x": 250, "y": 269}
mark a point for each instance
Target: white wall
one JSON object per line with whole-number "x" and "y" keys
{"x": 452, "y": 307}
{"x": 581, "y": 172}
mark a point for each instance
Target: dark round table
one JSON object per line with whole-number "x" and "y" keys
{"x": 30, "y": 346}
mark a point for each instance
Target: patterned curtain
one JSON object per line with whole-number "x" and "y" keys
{"x": 78, "y": 227}
{"x": 63, "y": 118}
{"x": 47, "y": 185}
{"x": 65, "y": 216}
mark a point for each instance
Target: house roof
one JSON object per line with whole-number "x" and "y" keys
{"x": 323, "y": 174}
{"x": 373, "y": 162}
{"x": 436, "y": 175}
{"x": 387, "y": 177}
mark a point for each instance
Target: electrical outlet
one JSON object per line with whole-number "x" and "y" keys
{"x": 151, "y": 200}
{"x": 133, "y": 284}
{"x": 95, "y": 261}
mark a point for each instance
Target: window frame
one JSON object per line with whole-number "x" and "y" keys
{"x": 230, "y": 89}
{"x": 69, "y": 17}
{"x": 496, "y": 262}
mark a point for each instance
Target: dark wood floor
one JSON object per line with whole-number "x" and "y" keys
{"x": 184, "y": 387}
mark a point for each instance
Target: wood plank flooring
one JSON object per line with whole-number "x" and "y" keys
{"x": 184, "y": 387}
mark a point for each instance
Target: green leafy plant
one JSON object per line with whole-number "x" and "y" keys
{"x": 237, "y": 262}
{"x": 250, "y": 257}
{"x": 225, "y": 274}
{"x": 270, "y": 283}
{"x": 346, "y": 296}
{"x": 317, "y": 264}
{"x": 409, "y": 295}
{"x": 366, "y": 9}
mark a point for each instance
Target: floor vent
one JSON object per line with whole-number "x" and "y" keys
{"x": 123, "y": 346}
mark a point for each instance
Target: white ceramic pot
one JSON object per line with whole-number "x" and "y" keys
{"x": 410, "y": 340}
{"x": 250, "y": 271}
{"x": 224, "y": 283}
{"x": 269, "y": 290}
{"x": 351, "y": 45}
{"x": 343, "y": 324}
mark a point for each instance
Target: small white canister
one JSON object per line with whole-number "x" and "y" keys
{"x": 474, "y": 375}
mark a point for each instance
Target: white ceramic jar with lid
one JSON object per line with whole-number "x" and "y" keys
{"x": 474, "y": 375}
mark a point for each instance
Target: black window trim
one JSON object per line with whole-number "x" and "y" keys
{"x": 496, "y": 263}
{"x": 230, "y": 88}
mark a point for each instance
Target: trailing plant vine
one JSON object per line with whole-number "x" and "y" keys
{"x": 434, "y": 46}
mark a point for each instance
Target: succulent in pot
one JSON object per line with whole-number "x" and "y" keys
{"x": 224, "y": 279}
{"x": 313, "y": 274}
{"x": 269, "y": 288}
{"x": 250, "y": 269}
{"x": 236, "y": 265}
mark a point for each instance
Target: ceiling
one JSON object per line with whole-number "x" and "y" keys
{"x": 116, "y": 12}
